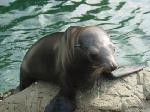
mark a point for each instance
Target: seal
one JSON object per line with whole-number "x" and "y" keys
{"x": 72, "y": 59}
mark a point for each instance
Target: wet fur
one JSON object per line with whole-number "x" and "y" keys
{"x": 59, "y": 58}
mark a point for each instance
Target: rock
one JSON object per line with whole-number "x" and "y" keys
{"x": 128, "y": 94}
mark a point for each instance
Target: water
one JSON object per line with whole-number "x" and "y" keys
{"x": 23, "y": 22}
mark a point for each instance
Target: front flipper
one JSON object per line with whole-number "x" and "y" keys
{"x": 125, "y": 70}
{"x": 60, "y": 104}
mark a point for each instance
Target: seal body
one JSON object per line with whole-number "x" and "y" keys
{"x": 39, "y": 61}
{"x": 72, "y": 59}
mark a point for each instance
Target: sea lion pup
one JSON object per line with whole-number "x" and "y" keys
{"x": 71, "y": 59}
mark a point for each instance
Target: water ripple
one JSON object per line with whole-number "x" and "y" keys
{"x": 23, "y": 22}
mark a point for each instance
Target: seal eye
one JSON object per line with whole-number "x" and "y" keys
{"x": 93, "y": 56}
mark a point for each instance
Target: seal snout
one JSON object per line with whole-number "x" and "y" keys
{"x": 113, "y": 66}
{"x": 113, "y": 63}
{"x": 109, "y": 67}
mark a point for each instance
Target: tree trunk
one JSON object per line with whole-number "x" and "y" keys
{"x": 128, "y": 94}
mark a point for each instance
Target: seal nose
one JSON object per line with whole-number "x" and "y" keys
{"x": 114, "y": 66}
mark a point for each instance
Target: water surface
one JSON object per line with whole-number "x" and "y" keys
{"x": 23, "y": 22}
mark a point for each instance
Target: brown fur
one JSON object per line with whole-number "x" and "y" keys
{"x": 73, "y": 59}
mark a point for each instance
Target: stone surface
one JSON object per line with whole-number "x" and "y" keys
{"x": 128, "y": 94}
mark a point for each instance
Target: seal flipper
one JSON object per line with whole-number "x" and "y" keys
{"x": 125, "y": 70}
{"x": 61, "y": 103}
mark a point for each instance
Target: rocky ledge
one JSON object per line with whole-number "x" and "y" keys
{"x": 128, "y": 94}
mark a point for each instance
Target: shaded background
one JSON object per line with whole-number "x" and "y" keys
{"x": 23, "y": 22}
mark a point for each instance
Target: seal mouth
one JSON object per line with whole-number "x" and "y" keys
{"x": 106, "y": 68}
{"x": 98, "y": 70}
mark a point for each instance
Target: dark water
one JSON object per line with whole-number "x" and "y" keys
{"x": 23, "y": 22}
